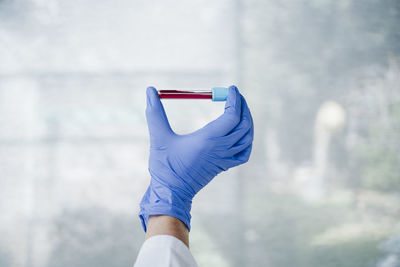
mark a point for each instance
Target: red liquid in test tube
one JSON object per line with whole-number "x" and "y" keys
{"x": 178, "y": 94}
{"x": 215, "y": 94}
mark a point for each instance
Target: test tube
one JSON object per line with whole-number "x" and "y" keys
{"x": 215, "y": 94}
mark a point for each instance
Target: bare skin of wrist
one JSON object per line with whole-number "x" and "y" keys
{"x": 167, "y": 225}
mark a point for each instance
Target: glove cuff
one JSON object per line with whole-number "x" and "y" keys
{"x": 159, "y": 200}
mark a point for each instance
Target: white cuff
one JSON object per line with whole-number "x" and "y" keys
{"x": 164, "y": 251}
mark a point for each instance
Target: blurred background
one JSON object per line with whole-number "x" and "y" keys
{"x": 322, "y": 78}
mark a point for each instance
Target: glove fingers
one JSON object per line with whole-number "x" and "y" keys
{"x": 230, "y": 162}
{"x": 227, "y": 121}
{"x": 242, "y": 129}
{"x": 246, "y": 121}
{"x": 244, "y": 155}
{"x": 246, "y": 116}
{"x": 246, "y": 111}
{"x": 241, "y": 145}
{"x": 157, "y": 120}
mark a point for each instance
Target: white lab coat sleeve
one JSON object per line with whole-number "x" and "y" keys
{"x": 164, "y": 251}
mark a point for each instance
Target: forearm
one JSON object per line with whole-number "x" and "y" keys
{"x": 167, "y": 225}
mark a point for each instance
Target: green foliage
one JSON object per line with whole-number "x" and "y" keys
{"x": 379, "y": 154}
{"x": 381, "y": 171}
{"x": 281, "y": 230}
{"x": 361, "y": 252}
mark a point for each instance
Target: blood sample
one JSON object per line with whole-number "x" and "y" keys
{"x": 215, "y": 94}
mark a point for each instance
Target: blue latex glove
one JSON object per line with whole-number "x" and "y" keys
{"x": 181, "y": 165}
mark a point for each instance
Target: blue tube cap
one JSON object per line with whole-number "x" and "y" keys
{"x": 220, "y": 93}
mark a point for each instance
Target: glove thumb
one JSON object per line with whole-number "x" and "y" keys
{"x": 157, "y": 120}
{"x": 231, "y": 117}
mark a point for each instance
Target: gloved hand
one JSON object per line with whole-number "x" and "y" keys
{"x": 181, "y": 165}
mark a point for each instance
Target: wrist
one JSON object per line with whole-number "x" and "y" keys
{"x": 167, "y": 225}
{"x": 160, "y": 200}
